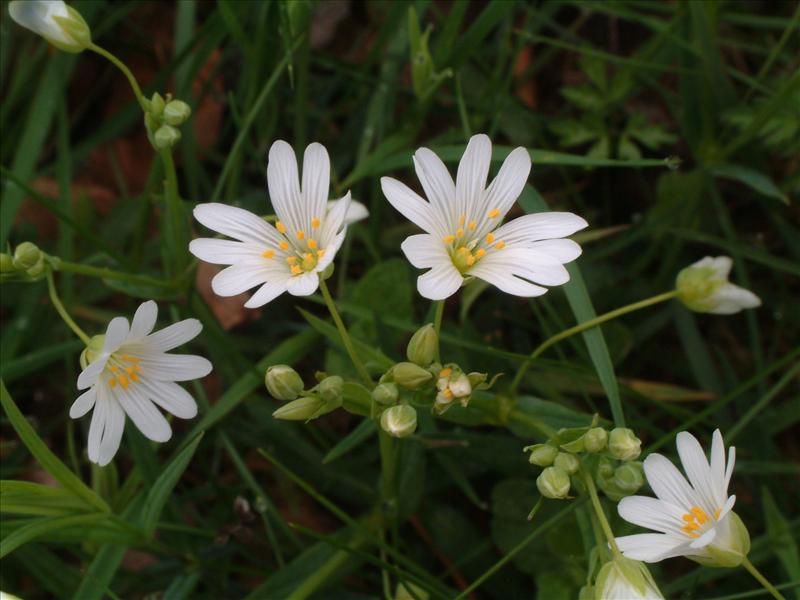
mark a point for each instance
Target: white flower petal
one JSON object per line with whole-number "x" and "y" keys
{"x": 173, "y": 336}
{"x": 237, "y": 223}
{"x": 143, "y": 320}
{"x": 697, "y": 470}
{"x": 473, "y": 169}
{"x": 147, "y": 418}
{"x": 509, "y": 182}
{"x": 112, "y": 434}
{"x": 718, "y": 467}
{"x": 91, "y": 373}
{"x": 225, "y": 252}
{"x": 652, "y": 513}
{"x": 726, "y": 508}
{"x": 668, "y": 483}
{"x": 172, "y": 398}
{"x": 98, "y": 423}
{"x": 330, "y": 252}
{"x": 704, "y": 540}
{"x": 316, "y": 181}
{"x": 355, "y": 212}
{"x": 730, "y": 299}
{"x": 412, "y": 206}
{"x": 284, "y": 185}
{"x": 651, "y": 547}
{"x": 174, "y": 367}
{"x": 563, "y": 250}
{"x": 116, "y": 334}
{"x": 440, "y": 282}
{"x": 424, "y": 251}
{"x": 38, "y": 17}
{"x": 303, "y": 285}
{"x": 437, "y": 183}
{"x": 501, "y": 277}
{"x": 722, "y": 265}
{"x": 524, "y": 263}
{"x": 729, "y": 467}
{"x": 266, "y": 293}
{"x": 539, "y": 226}
{"x": 83, "y": 404}
{"x": 238, "y": 278}
{"x": 334, "y": 223}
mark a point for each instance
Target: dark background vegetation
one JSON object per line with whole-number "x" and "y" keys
{"x": 681, "y": 119}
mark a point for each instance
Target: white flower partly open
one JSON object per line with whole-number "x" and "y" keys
{"x": 463, "y": 232}
{"x": 59, "y": 24}
{"x": 625, "y": 579}
{"x": 695, "y": 517}
{"x": 129, "y": 371}
{"x": 289, "y": 255}
{"x": 704, "y": 287}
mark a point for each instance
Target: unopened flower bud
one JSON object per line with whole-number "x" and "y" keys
{"x": 36, "y": 270}
{"x": 283, "y": 382}
{"x": 157, "y": 104}
{"x": 410, "y": 376}
{"x": 385, "y": 394}
{"x": 399, "y": 421}
{"x": 595, "y": 439}
{"x": 568, "y": 462}
{"x": 303, "y": 409}
{"x": 625, "y": 578}
{"x": 176, "y": 112}
{"x": 166, "y": 137}
{"x": 704, "y": 287}
{"x": 623, "y": 444}
{"x": 405, "y": 589}
{"x": 6, "y": 263}
{"x": 553, "y": 483}
{"x": 26, "y": 255}
{"x": 330, "y": 389}
{"x": 422, "y": 347}
{"x": 59, "y": 24}
{"x": 629, "y": 477}
{"x": 542, "y": 455}
{"x": 92, "y": 350}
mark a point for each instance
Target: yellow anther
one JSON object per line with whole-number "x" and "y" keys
{"x": 461, "y": 219}
{"x": 459, "y": 232}
{"x": 308, "y": 256}
{"x": 284, "y": 245}
{"x": 280, "y": 227}
{"x": 688, "y": 518}
{"x": 472, "y": 225}
{"x": 301, "y": 234}
{"x": 500, "y": 245}
{"x": 494, "y": 212}
{"x": 123, "y": 381}
{"x": 447, "y": 393}
{"x": 312, "y": 244}
{"x": 701, "y": 515}
{"x": 268, "y": 253}
{"x": 445, "y": 372}
{"x": 112, "y": 382}
{"x": 320, "y": 253}
{"x": 470, "y": 260}
{"x": 449, "y": 239}
{"x": 134, "y": 377}
{"x": 479, "y": 253}
{"x": 296, "y": 270}
{"x": 315, "y": 223}
{"x": 114, "y": 368}
{"x": 129, "y": 358}
{"x": 489, "y": 238}
{"x": 292, "y": 260}
{"x": 716, "y": 513}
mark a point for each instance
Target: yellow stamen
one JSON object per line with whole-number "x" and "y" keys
{"x": 716, "y": 513}
{"x": 114, "y": 368}
{"x": 315, "y": 223}
{"x": 112, "y": 382}
{"x": 312, "y": 244}
{"x": 449, "y": 239}
{"x": 500, "y": 245}
{"x": 284, "y": 245}
{"x": 445, "y": 372}
{"x": 472, "y": 225}
{"x": 280, "y": 227}
{"x": 701, "y": 515}
{"x": 461, "y": 219}
{"x": 459, "y": 232}
{"x": 296, "y": 270}
{"x": 447, "y": 393}
{"x": 489, "y": 238}
{"x": 479, "y": 253}
{"x": 470, "y": 260}
{"x": 129, "y": 358}
{"x": 123, "y": 381}
{"x": 494, "y": 212}
{"x": 268, "y": 253}
{"x": 292, "y": 260}
{"x": 320, "y": 253}
{"x": 301, "y": 234}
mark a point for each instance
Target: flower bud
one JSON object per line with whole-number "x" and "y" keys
{"x": 460, "y": 385}
{"x": 399, "y": 421}
{"x": 409, "y": 591}
{"x": 624, "y": 579}
{"x": 92, "y": 350}
{"x": 385, "y": 394}
{"x": 422, "y": 347}
{"x": 704, "y": 287}
{"x": 330, "y": 389}
{"x": 6, "y": 263}
{"x": 553, "y": 483}
{"x": 36, "y": 270}
{"x": 59, "y": 24}
{"x": 26, "y": 255}
{"x": 542, "y": 455}
{"x": 176, "y": 112}
{"x": 568, "y": 462}
{"x": 303, "y": 409}
{"x": 166, "y": 137}
{"x": 157, "y": 104}
{"x": 283, "y": 382}
{"x": 595, "y": 439}
{"x": 623, "y": 444}
{"x": 410, "y": 376}
{"x": 629, "y": 477}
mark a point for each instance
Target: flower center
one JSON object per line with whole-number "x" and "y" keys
{"x": 465, "y": 249}
{"x": 694, "y": 521}
{"x": 124, "y": 370}
{"x": 302, "y": 250}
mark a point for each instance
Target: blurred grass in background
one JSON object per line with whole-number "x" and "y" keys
{"x": 673, "y": 128}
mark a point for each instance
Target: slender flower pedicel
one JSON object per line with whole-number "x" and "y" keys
{"x": 290, "y": 255}
{"x": 129, "y": 371}
{"x": 464, "y": 236}
{"x": 695, "y": 517}
{"x": 59, "y": 24}
{"x": 704, "y": 287}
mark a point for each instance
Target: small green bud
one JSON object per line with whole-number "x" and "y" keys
{"x": 623, "y": 444}
{"x": 283, "y": 382}
{"x": 625, "y": 578}
{"x": 75, "y": 30}
{"x": 586, "y": 593}
{"x": 629, "y": 477}
{"x": 568, "y": 462}
{"x": 605, "y": 468}
{"x": 26, "y": 255}
{"x": 157, "y": 104}
{"x": 36, "y": 270}
{"x": 422, "y": 347}
{"x": 595, "y": 439}
{"x": 405, "y": 589}
{"x": 411, "y": 376}
{"x": 542, "y": 455}
{"x": 166, "y": 137}
{"x": 330, "y": 389}
{"x": 6, "y": 263}
{"x": 176, "y": 112}
{"x": 399, "y": 421}
{"x": 385, "y": 394}
{"x": 91, "y": 352}
{"x": 704, "y": 287}
{"x": 553, "y": 483}
{"x": 303, "y": 409}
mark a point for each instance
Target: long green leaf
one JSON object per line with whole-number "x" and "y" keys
{"x": 43, "y": 526}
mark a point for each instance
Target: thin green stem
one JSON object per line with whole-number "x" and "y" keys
{"x": 583, "y": 327}
{"x": 348, "y": 343}
{"x": 761, "y": 579}
{"x": 105, "y": 273}
{"x": 176, "y": 242}
{"x": 437, "y": 326}
{"x": 137, "y": 91}
{"x": 601, "y": 515}
{"x": 51, "y": 286}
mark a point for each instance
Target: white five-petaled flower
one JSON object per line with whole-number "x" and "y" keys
{"x": 58, "y": 23}
{"x": 695, "y": 517}
{"x": 704, "y": 287}
{"x": 129, "y": 372}
{"x": 290, "y": 255}
{"x": 463, "y": 232}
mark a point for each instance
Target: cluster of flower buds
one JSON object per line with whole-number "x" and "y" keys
{"x": 559, "y": 457}
{"x": 162, "y": 118}
{"x": 28, "y": 263}
{"x": 284, "y": 383}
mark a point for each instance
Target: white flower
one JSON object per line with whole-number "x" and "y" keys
{"x": 694, "y": 517}
{"x": 130, "y": 374}
{"x": 463, "y": 232}
{"x": 624, "y": 579}
{"x": 289, "y": 255}
{"x": 704, "y": 287}
{"x": 59, "y": 24}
